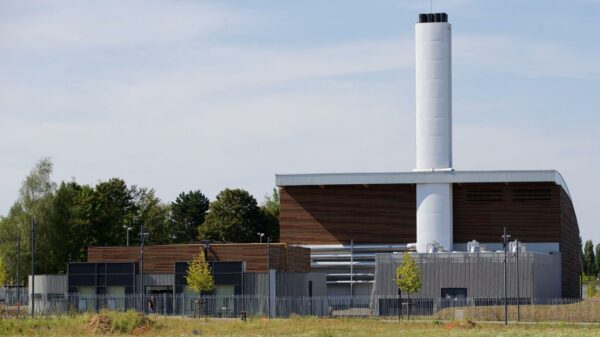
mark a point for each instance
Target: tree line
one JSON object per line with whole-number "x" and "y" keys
{"x": 70, "y": 217}
{"x": 590, "y": 259}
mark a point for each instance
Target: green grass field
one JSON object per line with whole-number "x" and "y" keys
{"x": 133, "y": 324}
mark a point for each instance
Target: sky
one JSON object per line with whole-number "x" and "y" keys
{"x": 180, "y": 95}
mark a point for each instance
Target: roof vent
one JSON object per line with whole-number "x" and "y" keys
{"x": 433, "y": 17}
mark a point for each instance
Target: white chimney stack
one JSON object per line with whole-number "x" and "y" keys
{"x": 434, "y": 128}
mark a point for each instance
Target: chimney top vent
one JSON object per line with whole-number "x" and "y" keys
{"x": 433, "y": 17}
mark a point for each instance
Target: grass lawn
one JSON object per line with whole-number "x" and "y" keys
{"x": 132, "y": 324}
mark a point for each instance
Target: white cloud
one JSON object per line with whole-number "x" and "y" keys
{"x": 111, "y": 24}
{"x": 523, "y": 57}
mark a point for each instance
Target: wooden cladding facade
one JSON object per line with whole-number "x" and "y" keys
{"x": 340, "y": 213}
{"x": 529, "y": 211}
{"x": 336, "y": 214}
{"x": 161, "y": 258}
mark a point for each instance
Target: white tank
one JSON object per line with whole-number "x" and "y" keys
{"x": 434, "y": 128}
{"x": 434, "y": 95}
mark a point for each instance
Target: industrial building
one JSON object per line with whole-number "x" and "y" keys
{"x": 341, "y": 233}
{"x": 115, "y": 273}
{"x": 347, "y": 219}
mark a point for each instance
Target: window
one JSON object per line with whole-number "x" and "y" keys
{"x": 454, "y": 294}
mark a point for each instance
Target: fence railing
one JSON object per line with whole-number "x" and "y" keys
{"x": 476, "y": 309}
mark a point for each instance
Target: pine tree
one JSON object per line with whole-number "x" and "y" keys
{"x": 589, "y": 259}
{"x": 408, "y": 276}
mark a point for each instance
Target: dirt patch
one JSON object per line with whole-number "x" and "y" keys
{"x": 140, "y": 330}
{"x": 465, "y": 324}
{"x": 99, "y": 324}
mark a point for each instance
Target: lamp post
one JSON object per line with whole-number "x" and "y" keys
{"x": 260, "y": 236}
{"x": 127, "y": 229}
{"x": 518, "y": 281}
{"x": 505, "y": 238}
{"x": 143, "y": 236}
{"x": 32, "y": 267}
{"x": 18, "y": 275}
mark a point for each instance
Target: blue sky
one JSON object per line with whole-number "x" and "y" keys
{"x": 180, "y": 95}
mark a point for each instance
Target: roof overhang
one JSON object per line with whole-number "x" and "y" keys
{"x": 449, "y": 177}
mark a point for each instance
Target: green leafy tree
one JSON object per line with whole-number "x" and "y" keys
{"x": 597, "y": 258}
{"x": 3, "y": 273}
{"x": 408, "y": 276}
{"x": 34, "y": 202}
{"x": 198, "y": 277}
{"x": 591, "y": 290}
{"x": 234, "y": 217}
{"x": 153, "y": 214}
{"x": 112, "y": 207}
{"x": 270, "y": 216}
{"x": 187, "y": 214}
{"x": 589, "y": 259}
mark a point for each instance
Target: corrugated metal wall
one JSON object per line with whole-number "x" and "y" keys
{"x": 481, "y": 273}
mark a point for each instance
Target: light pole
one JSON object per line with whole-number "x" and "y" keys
{"x": 32, "y": 267}
{"x": 518, "y": 281}
{"x": 260, "y": 235}
{"x": 143, "y": 236}
{"x": 505, "y": 238}
{"x": 18, "y": 275}
{"x": 127, "y": 229}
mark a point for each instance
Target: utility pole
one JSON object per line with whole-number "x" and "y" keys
{"x": 505, "y": 238}
{"x": 18, "y": 275}
{"x": 518, "y": 282}
{"x": 33, "y": 267}
{"x": 269, "y": 271}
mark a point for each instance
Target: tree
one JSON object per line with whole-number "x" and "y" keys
{"x": 591, "y": 290}
{"x": 3, "y": 273}
{"x": 198, "y": 277}
{"x": 589, "y": 259}
{"x": 234, "y": 217}
{"x": 270, "y": 215}
{"x": 408, "y": 276}
{"x": 112, "y": 206}
{"x": 597, "y": 258}
{"x": 187, "y": 214}
{"x": 153, "y": 214}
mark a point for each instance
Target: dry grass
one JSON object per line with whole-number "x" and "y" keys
{"x": 585, "y": 311}
{"x": 128, "y": 324}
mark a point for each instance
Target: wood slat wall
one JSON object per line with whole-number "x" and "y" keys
{"x": 481, "y": 211}
{"x": 387, "y": 213}
{"x": 569, "y": 248}
{"x": 337, "y": 214}
{"x": 162, "y": 258}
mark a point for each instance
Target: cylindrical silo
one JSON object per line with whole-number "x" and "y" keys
{"x": 434, "y": 128}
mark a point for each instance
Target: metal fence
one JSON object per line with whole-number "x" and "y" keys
{"x": 476, "y": 309}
